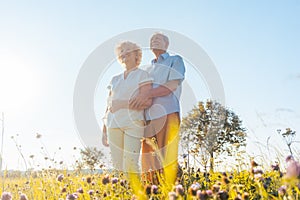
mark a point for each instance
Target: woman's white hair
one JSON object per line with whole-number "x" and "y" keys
{"x": 127, "y": 47}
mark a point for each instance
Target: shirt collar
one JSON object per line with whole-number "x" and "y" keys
{"x": 162, "y": 56}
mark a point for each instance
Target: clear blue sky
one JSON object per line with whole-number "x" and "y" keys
{"x": 255, "y": 46}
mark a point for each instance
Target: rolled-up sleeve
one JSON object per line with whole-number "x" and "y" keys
{"x": 177, "y": 70}
{"x": 112, "y": 83}
{"x": 109, "y": 86}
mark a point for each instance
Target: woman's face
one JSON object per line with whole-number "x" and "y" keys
{"x": 128, "y": 58}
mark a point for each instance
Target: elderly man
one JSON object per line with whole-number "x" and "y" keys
{"x": 160, "y": 146}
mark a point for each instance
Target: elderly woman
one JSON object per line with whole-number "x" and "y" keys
{"x": 124, "y": 127}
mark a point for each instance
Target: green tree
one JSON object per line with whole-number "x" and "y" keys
{"x": 212, "y": 129}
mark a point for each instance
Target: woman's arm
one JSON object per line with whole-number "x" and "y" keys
{"x": 104, "y": 129}
{"x": 104, "y": 136}
{"x": 120, "y": 104}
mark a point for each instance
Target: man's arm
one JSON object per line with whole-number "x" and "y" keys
{"x": 144, "y": 89}
{"x": 160, "y": 91}
{"x": 164, "y": 89}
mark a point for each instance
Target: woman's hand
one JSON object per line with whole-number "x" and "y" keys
{"x": 117, "y": 105}
{"x": 104, "y": 137}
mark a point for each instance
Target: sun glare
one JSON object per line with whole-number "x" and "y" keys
{"x": 17, "y": 82}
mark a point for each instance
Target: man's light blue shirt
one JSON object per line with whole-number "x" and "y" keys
{"x": 165, "y": 68}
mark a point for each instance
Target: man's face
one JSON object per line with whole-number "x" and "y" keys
{"x": 158, "y": 43}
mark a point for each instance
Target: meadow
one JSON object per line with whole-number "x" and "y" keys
{"x": 90, "y": 179}
{"x": 192, "y": 183}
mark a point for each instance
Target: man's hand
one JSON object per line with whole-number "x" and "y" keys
{"x": 141, "y": 101}
{"x": 104, "y": 137}
{"x": 144, "y": 99}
